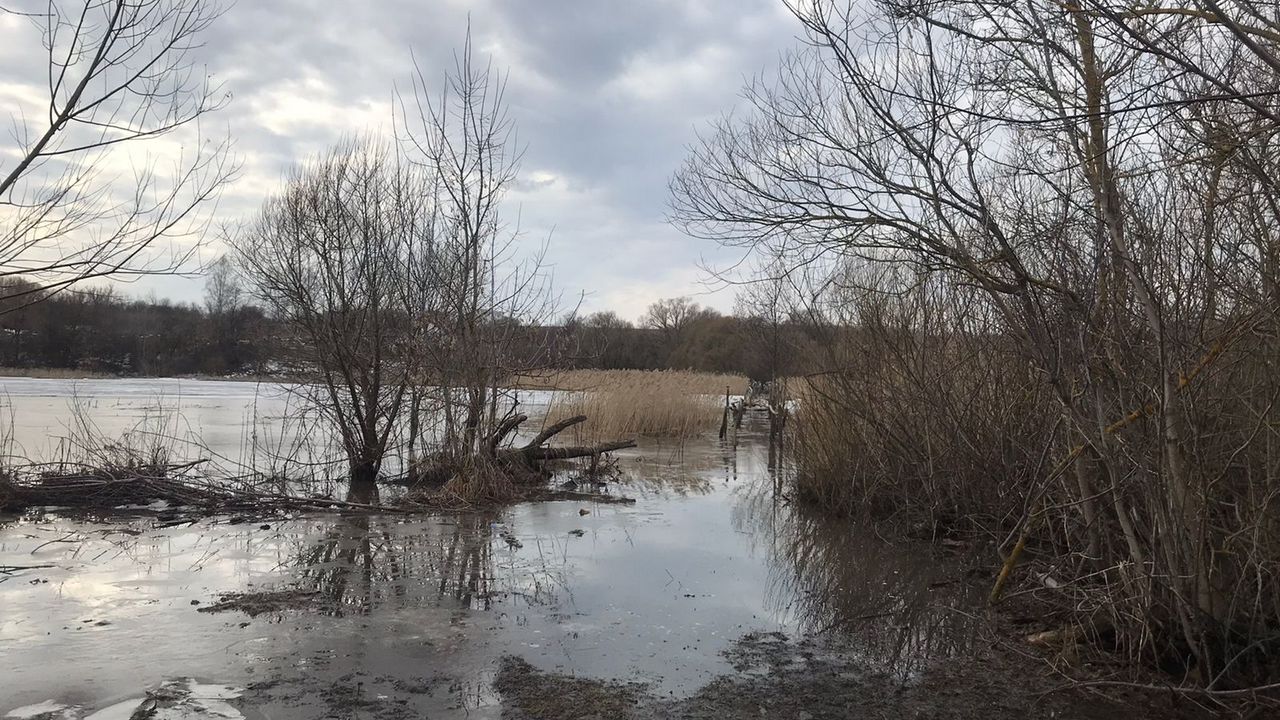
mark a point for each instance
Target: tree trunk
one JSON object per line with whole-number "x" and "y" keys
{"x": 364, "y": 482}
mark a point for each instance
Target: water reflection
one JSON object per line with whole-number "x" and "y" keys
{"x": 654, "y": 590}
{"x": 466, "y": 562}
{"x": 900, "y": 606}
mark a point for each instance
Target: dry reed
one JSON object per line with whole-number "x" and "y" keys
{"x": 626, "y": 403}
{"x": 683, "y": 381}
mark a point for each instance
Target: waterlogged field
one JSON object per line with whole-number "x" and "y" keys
{"x": 455, "y": 614}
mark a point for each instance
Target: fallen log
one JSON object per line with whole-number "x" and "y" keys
{"x": 576, "y": 451}
{"x": 534, "y": 453}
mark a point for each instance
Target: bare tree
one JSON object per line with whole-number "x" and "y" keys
{"x": 671, "y": 315}
{"x": 118, "y": 72}
{"x": 673, "y": 318}
{"x": 227, "y": 317}
{"x": 462, "y": 136}
{"x": 339, "y": 256}
{"x": 222, "y": 291}
{"x": 606, "y": 319}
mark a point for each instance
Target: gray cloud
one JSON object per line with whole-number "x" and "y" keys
{"x": 606, "y": 96}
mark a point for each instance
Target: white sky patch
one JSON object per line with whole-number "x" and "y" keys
{"x": 681, "y": 78}
{"x": 26, "y": 115}
{"x": 631, "y": 297}
{"x": 294, "y": 106}
{"x": 540, "y": 179}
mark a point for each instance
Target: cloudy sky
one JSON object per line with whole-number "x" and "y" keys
{"x": 606, "y": 95}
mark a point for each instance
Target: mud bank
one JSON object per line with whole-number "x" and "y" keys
{"x": 821, "y": 677}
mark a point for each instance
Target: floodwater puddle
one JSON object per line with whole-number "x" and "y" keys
{"x": 399, "y": 616}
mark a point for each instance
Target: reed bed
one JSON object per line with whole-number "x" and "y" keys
{"x": 682, "y": 381}
{"x": 628, "y": 403}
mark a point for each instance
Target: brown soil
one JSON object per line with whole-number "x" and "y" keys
{"x": 532, "y": 694}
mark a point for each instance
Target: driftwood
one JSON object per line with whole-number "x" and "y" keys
{"x": 534, "y": 453}
{"x": 110, "y": 488}
{"x": 526, "y": 461}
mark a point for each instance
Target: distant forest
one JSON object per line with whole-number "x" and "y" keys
{"x": 101, "y": 330}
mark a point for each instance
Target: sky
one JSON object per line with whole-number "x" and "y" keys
{"x": 606, "y": 96}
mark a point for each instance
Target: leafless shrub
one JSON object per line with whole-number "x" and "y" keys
{"x": 1087, "y": 195}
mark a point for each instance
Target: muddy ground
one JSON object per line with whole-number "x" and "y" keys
{"x": 819, "y": 677}
{"x": 773, "y": 676}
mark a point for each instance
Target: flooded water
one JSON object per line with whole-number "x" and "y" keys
{"x": 236, "y": 423}
{"x": 236, "y": 426}
{"x": 396, "y": 616}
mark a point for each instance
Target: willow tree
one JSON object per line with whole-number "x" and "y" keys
{"x": 459, "y": 132}
{"x": 338, "y": 256}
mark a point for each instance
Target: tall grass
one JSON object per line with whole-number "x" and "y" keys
{"x": 627, "y": 403}
{"x": 683, "y": 381}
{"x": 950, "y": 440}
{"x": 943, "y": 421}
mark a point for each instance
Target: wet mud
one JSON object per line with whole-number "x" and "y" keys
{"x": 813, "y": 678}
{"x": 263, "y": 602}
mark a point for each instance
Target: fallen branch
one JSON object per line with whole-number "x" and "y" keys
{"x": 11, "y": 569}
{"x": 505, "y": 429}
{"x": 554, "y": 430}
{"x": 576, "y": 451}
{"x": 533, "y": 454}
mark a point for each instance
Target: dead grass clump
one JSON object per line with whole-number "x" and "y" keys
{"x": 629, "y": 403}
{"x": 945, "y": 442}
{"x": 265, "y": 602}
{"x": 478, "y": 483}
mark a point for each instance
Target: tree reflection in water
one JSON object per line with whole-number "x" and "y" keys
{"x": 901, "y": 607}
{"x": 366, "y": 562}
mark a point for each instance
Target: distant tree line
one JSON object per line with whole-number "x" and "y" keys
{"x": 676, "y": 333}
{"x": 102, "y": 330}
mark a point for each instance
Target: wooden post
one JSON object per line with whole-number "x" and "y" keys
{"x": 724, "y": 416}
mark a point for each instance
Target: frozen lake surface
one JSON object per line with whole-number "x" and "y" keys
{"x": 238, "y": 425}
{"x": 45, "y": 418}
